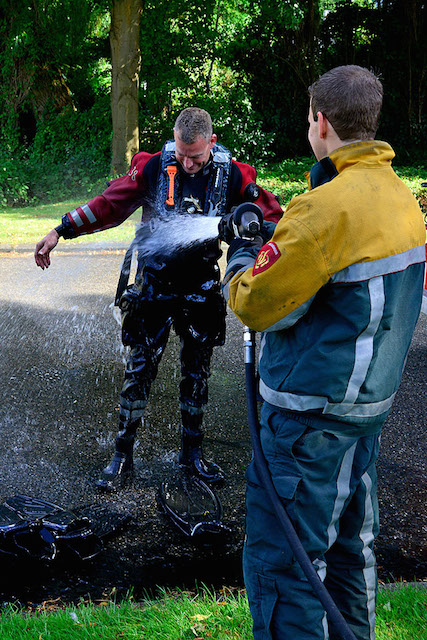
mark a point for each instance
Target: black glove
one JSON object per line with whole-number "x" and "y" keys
{"x": 238, "y": 243}
{"x": 225, "y": 228}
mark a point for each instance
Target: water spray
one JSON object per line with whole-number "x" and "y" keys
{"x": 168, "y": 234}
{"x": 163, "y": 236}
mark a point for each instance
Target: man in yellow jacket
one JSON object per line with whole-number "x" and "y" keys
{"x": 336, "y": 293}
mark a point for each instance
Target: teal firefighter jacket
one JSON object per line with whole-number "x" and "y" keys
{"x": 337, "y": 291}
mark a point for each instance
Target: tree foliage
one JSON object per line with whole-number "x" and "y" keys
{"x": 54, "y": 56}
{"x": 248, "y": 62}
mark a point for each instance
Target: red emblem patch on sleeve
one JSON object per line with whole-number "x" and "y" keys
{"x": 267, "y": 256}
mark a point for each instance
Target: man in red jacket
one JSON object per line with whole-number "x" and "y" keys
{"x": 193, "y": 174}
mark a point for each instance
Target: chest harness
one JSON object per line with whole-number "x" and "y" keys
{"x": 169, "y": 189}
{"x": 169, "y": 195}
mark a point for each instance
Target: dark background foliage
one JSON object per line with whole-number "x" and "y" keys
{"x": 249, "y": 62}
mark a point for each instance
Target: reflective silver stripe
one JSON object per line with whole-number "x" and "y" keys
{"x": 194, "y": 411}
{"x": 261, "y": 348}
{"x": 132, "y": 404}
{"x": 294, "y": 402}
{"x": 366, "y": 270}
{"x": 292, "y": 318}
{"x": 343, "y": 491}
{"x": 320, "y": 566}
{"x": 288, "y": 400}
{"x": 244, "y": 263}
{"x": 365, "y": 410}
{"x": 77, "y": 219}
{"x": 367, "y": 537}
{"x": 132, "y": 410}
{"x": 88, "y": 213}
{"x": 364, "y": 347}
{"x": 325, "y": 626}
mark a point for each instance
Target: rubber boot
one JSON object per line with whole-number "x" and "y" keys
{"x": 191, "y": 454}
{"x": 121, "y": 465}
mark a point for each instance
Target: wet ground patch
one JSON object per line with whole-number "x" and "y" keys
{"x": 61, "y": 372}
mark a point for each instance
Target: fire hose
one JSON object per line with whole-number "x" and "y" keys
{"x": 335, "y": 617}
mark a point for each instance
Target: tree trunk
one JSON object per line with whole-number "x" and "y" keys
{"x": 126, "y": 63}
{"x": 310, "y": 27}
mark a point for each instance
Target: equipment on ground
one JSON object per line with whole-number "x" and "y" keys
{"x": 194, "y": 508}
{"x": 335, "y": 617}
{"x": 37, "y": 529}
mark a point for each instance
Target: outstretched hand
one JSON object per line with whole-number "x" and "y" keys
{"x": 44, "y": 247}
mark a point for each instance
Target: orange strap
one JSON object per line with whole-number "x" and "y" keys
{"x": 171, "y": 171}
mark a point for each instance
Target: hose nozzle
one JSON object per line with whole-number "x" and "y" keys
{"x": 247, "y": 220}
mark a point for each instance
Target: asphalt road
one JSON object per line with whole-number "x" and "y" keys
{"x": 61, "y": 372}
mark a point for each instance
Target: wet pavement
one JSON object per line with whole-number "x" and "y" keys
{"x": 61, "y": 372}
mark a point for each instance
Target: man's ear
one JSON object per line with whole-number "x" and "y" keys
{"x": 213, "y": 140}
{"x": 323, "y": 124}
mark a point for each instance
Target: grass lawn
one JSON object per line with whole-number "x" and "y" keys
{"x": 401, "y": 615}
{"x": 27, "y": 225}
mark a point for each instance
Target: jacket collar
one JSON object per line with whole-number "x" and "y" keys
{"x": 366, "y": 152}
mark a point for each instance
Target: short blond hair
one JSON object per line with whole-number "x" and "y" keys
{"x": 193, "y": 123}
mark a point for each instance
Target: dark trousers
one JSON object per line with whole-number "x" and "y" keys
{"x": 327, "y": 481}
{"x": 197, "y": 322}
